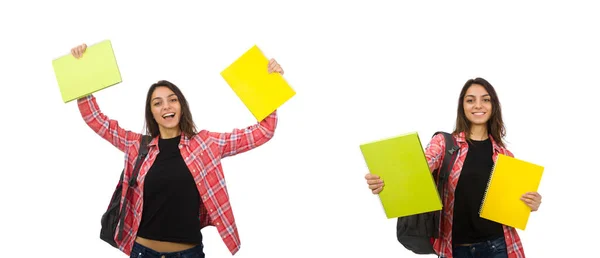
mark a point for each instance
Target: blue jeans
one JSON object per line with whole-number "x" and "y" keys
{"x": 140, "y": 251}
{"x": 489, "y": 249}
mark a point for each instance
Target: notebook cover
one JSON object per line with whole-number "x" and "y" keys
{"x": 510, "y": 179}
{"x": 409, "y": 185}
{"x": 96, "y": 70}
{"x": 261, "y": 92}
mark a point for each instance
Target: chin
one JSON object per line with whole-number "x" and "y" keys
{"x": 170, "y": 126}
{"x": 479, "y": 121}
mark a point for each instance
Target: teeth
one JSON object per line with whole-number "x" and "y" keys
{"x": 479, "y": 114}
{"x": 169, "y": 114}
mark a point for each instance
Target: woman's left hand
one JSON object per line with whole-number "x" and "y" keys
{"x": 274, "y": 67}
{"x": 533, "y": 200}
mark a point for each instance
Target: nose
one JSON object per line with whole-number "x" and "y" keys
{"x": 166, "y": 105}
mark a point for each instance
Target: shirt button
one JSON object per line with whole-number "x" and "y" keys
{"x": 211, "y": 210}
{"x": 218, "y": 223}
{"x": 180, "y": 146}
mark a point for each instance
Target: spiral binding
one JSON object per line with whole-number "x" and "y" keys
{"x": 487, "y": 187}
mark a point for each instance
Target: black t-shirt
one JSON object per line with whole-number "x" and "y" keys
{"x": 171, "y": 199}
{"x": 468, "y": 227}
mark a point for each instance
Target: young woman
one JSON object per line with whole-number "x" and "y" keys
{"x": 479, "y": 133}
{"x": 181, "y": 187}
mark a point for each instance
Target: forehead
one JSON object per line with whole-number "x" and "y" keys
{"x": 162, "y": 92}
{"x": 476, "y": 90}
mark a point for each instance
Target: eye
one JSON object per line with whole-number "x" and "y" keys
{"x": 469, "y": 100}
{"x": 174, "y": 100}
{"x": 487, "y": 100}
{"x": 156, "y": 104}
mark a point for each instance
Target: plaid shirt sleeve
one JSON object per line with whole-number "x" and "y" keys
{"x": 434, "y": 151}
{"x": 107, "y": 128}
{"x": 242, "y": 140}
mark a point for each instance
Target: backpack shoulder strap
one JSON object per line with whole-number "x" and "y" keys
{"x": 142, "y": 152}
{"x": 448, "y": 162}
{"x": 444, "y": 171}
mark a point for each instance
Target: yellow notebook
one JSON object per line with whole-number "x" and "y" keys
{"x": 96, "y": 70}
{"x": 261, "y": 92}
{"x": 510, "y": 179}
{"x": 409, "y": 185}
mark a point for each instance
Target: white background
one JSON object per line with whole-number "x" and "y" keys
{"x": 363, "y": 71}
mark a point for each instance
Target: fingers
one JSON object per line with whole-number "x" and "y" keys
{"x": 78, "y": 51}
{"x": 531, "y": 201}
{"x": 533, "y": 196}
{"x": 371, "y": 176}
{"x": 528, "y": 201}
{"x": 375, "y": 186}
{"x": 528, "y": 198}
{"x": 532, "y": 206}
{"x": 377, "y": 190}
{"x": 375, "y": 183}
{"x": 273, "y": 66}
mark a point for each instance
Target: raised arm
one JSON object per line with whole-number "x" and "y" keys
{"x": 242, "y": 140}
{"x": 107, "y": 128}
{"x": 95, "y": 119}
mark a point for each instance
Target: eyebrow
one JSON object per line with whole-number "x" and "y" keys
{"x": 484, "y": 95}
{"x": 167, "y": 97}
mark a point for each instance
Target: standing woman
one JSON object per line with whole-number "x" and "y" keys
{"x": 479, "y": 133}
{"x": 181, "y": 186}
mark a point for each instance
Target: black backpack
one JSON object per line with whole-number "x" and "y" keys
{"x": 417, "y": 232}
{"x": 113, "y": 214}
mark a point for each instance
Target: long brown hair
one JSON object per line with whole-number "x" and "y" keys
{"x": 186, "y": 123}
{"x": 495, "y": 125}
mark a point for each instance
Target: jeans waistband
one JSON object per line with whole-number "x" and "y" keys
{"x": 141, "y": 251}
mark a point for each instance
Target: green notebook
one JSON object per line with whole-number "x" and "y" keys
{"x": 409, "y": 185}
{"x": 96, "y": 70}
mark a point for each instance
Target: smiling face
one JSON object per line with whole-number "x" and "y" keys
{"x": 479, "y": 111}
{"x": 166, "y": 110}
{"x": 477, "y": 105}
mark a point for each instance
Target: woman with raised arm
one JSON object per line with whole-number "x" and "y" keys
{"x": 180, "y": 186}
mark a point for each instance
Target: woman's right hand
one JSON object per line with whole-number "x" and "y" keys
{"x": 78, "y": 51}
{"x": 375, "y": 183}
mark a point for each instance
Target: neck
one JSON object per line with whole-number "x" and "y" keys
{"x": 169, "y": 133}
{"x": 478, "y": 132}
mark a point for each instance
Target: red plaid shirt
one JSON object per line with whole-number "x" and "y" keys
{"x": 202, "y": 154}
{"x": 435, "y": 156}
